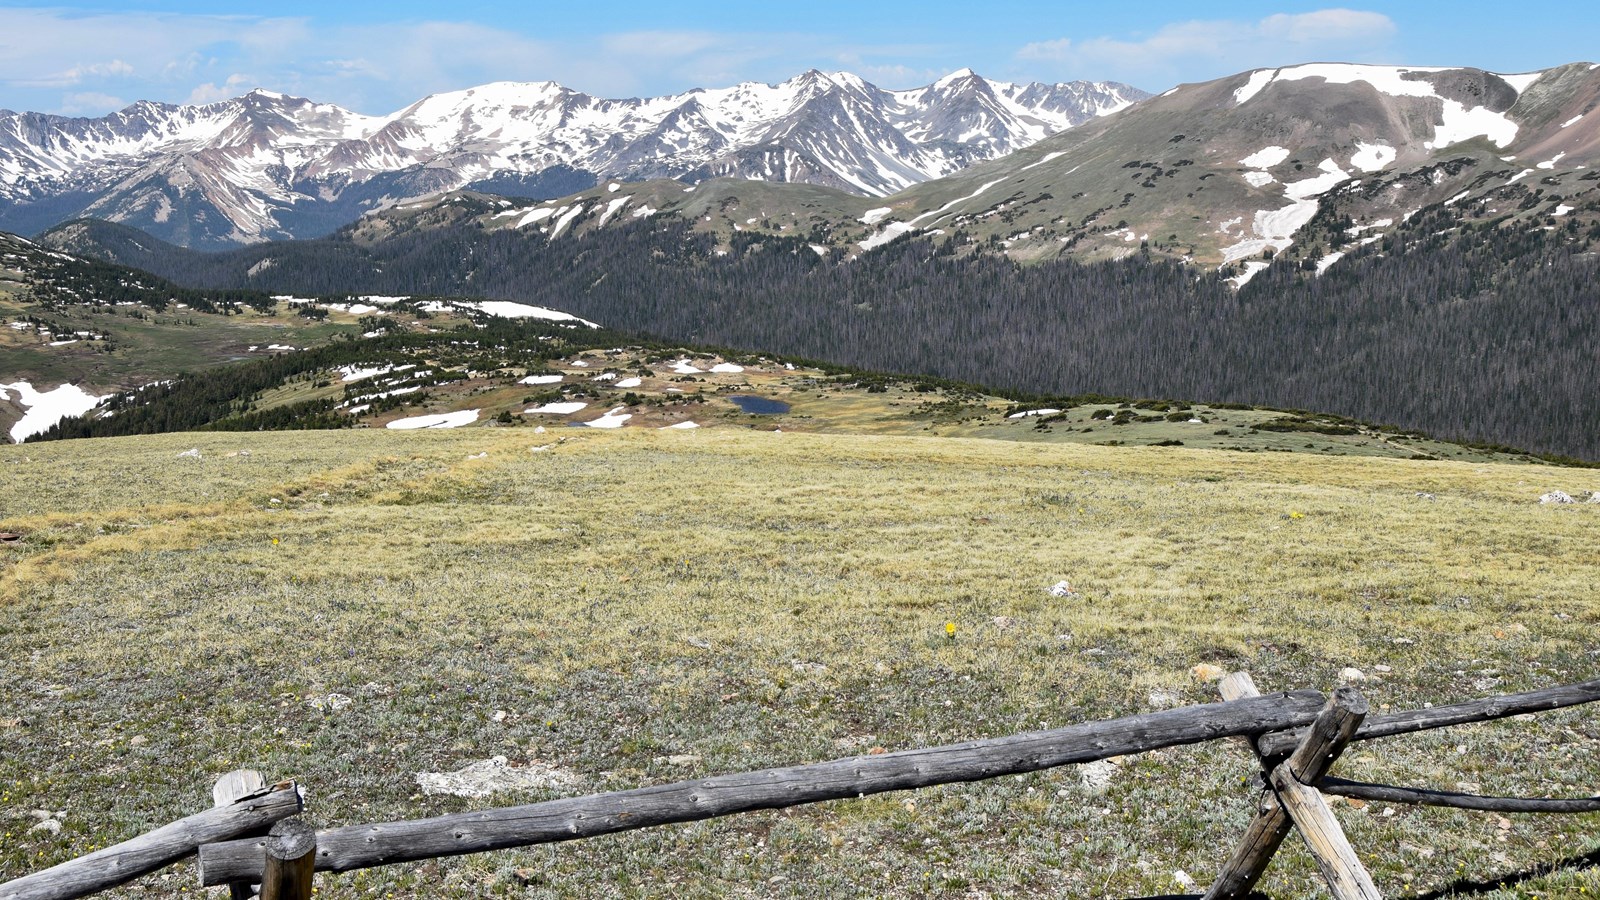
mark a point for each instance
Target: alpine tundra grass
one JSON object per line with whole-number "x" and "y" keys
{"x": 638, "y": 607}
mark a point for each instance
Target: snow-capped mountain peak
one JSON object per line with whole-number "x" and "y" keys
{"x": 267, "y": 165}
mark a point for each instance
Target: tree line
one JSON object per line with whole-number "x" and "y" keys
{"x": 1475, "y": 333}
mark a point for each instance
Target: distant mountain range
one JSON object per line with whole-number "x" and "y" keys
{"x": 268, "y": 166}
{"x": 1305, "y": 162}
{"x": 1410, "y": 245}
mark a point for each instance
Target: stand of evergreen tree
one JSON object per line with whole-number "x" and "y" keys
{"x": 1474, "y": 333}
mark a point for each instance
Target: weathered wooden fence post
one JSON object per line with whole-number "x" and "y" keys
{"x": 230, "y": 787}
{"x": 122, "y": 863}
{"x": 1295, "y": 805}
{"x": 291, "y": 857}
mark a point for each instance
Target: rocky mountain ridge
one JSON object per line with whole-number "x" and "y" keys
{"x": 269, "y": 166}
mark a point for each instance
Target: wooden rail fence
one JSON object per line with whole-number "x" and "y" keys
{"x": 252, "y": 842}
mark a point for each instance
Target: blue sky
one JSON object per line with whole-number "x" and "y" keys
{"x": 89, "y": 59}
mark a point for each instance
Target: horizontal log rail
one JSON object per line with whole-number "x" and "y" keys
{"x": 122, "y": 863}
{"x": 362, "y": 846}
{"x": 1484, "y": 710}
{"x": 1360, "y": 790}
{"x": 234, "y": 847}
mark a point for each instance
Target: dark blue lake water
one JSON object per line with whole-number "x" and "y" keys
{"x": 759, "y": 406}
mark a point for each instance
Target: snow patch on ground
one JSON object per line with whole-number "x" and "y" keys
{"x": 630, "y": 382}
{"x": 1372, "y": 157}
{"x": 1330, "y": 259}
{"x": 46, "y": 408}
{"x": 680, "y": 426}
{"x": 727, "y": 367}
{"x": 354, "y": 309}
{"x": 1056, "y": 153}
{"x": 1461, "y": 123}
{"x": 683, "y": 367}
{"x": 889, "y": 233}
{"x": 874, "y": 216}
{"x": 1551, "y": 162}
{"x": 1259, "y": 179}
{"x": 1318, "y": 184}
{"x": 971, "y": 196}
{"x": 563, "y": 408}
{"x": 566, "y": 219}
{"x": 1251, "y": 268}
{"x": 1265, "y": 158}
{"x": 1572, "y": 121}
{"x": 1561, "y": 210}
{"x": 612, "y": 419}
{"x": 534, "y": 216}
{"x": 1386, "y": 79}
{"x": 542, "y": 379}
{"x": 1521, "y": 81}
{"x": 355, "y": 373}
{"x": 1258, "y": 80}
{"x": 1275, "y": 228}
{"x": 438, "y": 420}
{"x": 1033, "y": 412}
{"x": 505, "y": 309}
{"x": 612, "y": 207}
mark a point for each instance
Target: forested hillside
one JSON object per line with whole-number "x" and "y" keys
{"x": 1473, "y": 332}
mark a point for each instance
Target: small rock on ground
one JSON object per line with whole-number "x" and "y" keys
{"x": 489, "y": 776}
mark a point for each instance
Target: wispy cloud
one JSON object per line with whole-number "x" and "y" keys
{"x": 232, "y": 86}
{"x": 90, "y": 103}
{"x": 374, "y": 67}
{"x": 65, "y": 61}
{"x": 1220, "y": 46}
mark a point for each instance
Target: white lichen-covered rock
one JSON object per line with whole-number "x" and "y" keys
{"x": 1096, "y": 776}
{"x": 1556, "y": 497}
{"x": 1351, "y": 675}
{"x": 1162, "y": 698}
{"x": 48, "y": 821}
{"x": 329, "y": 703}
{"x": 493, "y": 775}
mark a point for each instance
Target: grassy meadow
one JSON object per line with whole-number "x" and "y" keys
{"x": 635, "y": 607}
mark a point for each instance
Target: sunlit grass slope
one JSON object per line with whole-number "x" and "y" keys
{"x": 639, "y": 607}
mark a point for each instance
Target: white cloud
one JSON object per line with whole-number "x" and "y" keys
{"x": 150, "y": 53}
{"x": 378, "y": 68}
{"x": 78, "y": 74}
{"x": 1325, "y": 25}
{"x": 233, "y": 86}
{"x": 90, "y": 103}
{"x": 1210, "y": 48}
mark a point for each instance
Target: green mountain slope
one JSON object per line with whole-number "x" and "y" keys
{"x": 1473, "y": 331}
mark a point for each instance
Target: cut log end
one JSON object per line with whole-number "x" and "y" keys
{"x": 291, "y": 839}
